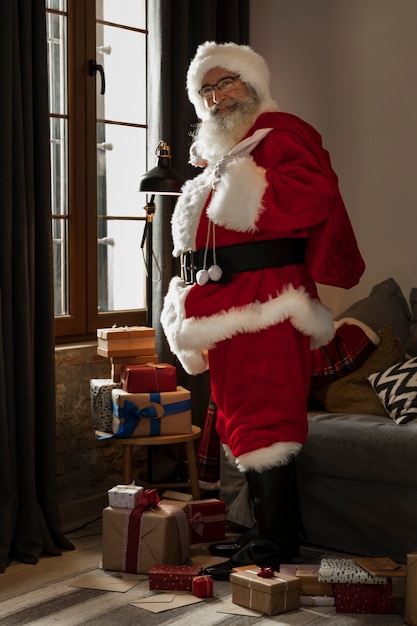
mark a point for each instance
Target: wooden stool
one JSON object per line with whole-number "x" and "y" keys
{"x": 162, "y": 440}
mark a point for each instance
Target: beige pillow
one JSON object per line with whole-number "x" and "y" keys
{"x": 353, "y": 393}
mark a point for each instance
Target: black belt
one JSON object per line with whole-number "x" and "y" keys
{"x": 245, "y": 257}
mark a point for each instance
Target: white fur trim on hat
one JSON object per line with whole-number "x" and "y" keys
{"x": 241, "y": 60}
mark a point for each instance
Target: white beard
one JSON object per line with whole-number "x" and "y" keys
{"x": 215, "y": 137}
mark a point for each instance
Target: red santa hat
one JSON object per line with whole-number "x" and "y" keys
{"x": 235, "y": 58}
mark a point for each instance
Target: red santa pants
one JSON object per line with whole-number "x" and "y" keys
{"x": 260, "y": 385}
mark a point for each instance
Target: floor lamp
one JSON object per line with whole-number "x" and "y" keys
{"x": 160, "y": 180}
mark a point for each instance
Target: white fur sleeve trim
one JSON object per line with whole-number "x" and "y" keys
{"x": 188, "y": 209}
{"x": 237, "y": 201}
{"x": 279, "y": 453}
{"x": 172, "y": 321}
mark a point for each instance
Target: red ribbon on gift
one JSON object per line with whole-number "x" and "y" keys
{"x": 198, "y": 520}
{"x": 131, "y": 548}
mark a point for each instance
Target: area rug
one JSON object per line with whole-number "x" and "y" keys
{"x": 61, "y": 603}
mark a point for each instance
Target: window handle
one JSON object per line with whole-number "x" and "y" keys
{"x": 94, "y": 68}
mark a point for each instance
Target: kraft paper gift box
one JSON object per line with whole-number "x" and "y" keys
{"x": 101, "y": 403}
{"x": 134, "y": 542}
{"x": 410, "y": 616}
{"x": 207, "y": 520}
{"x": 363, "y": 598}
{"x": 118, "y": 362}
{"x": 151, "y": 414}
{"x": 125, "y": 496}
{"x": 149, "y": 377}
{"x": 125, "y": 341}
{"x": 346, "y": 571}
{"x": 173, "y": 577}
{"x": 272, "y": 596}
{"x": 308, "y": 575}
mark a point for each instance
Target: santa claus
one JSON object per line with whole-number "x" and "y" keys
{"x": 255, "y": 231}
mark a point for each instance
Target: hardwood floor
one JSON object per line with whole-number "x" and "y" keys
{"x": 21, "y": 577}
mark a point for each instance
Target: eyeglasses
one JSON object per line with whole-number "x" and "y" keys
{"x": 224, "y": 85}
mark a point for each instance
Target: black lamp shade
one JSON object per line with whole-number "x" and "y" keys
{"x": 162, "y": 179}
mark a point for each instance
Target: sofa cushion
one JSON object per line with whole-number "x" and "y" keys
{"x": 396, "y": 387}
{"x": 363, "y": 448}
{"x": 385, "y": 305}
{"x": 353, "y": 393}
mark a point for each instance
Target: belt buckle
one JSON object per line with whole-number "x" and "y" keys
{"x": 188, "y": 267}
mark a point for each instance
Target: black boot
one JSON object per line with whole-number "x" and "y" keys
{"x": 274, "y": 495}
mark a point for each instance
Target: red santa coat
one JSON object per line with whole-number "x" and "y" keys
{"x": 259, "y": 328}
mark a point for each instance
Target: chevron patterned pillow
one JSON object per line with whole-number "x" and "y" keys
{"x": 396, "y": 387}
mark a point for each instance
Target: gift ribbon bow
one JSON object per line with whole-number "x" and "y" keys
{"x": 133, "y": 529}
{"x": 133, "y": 414}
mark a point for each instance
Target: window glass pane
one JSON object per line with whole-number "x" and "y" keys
{"x": 57, "y": 5}
{"x": 121, "y": 161}
{"x": 59, "y": 165}
{"x": 128, "y": 12}
{"x": 120, "y": 260}
{"x": 123, "y": 58}
{"x": 60, "y": 258}
{"x": 57, "y": 65}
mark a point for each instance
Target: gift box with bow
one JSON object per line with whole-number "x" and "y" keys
{"x": 125, "y": 341}
{"x": 207, "y": 520}
{"x": 154, "y": 532}
{"x": 148, "y": 377}
{"x": 125, "y": 496}
{"x": 151, "y": 414}
{"x": 270, "y": 594}
{"x": 202, "y": 586}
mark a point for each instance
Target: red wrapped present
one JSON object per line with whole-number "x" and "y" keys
{"x": 363, "y": 597}
{"x": 202, "y": 586}
{"x": 173, "y": 577}
{"x": 207, "y": 520}
{"x": 154, "y": 532}
{"x": 149, "y": 377}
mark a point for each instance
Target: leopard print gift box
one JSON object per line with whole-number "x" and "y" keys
{"x": 101, "y": 407}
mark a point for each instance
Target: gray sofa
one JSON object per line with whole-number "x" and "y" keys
{"x": 357, "y": 476}
{"x": 357, "y": 469}
{"x": 358, "y": 484}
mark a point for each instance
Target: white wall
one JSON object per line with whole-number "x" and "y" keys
{"x": 349, "y": 67}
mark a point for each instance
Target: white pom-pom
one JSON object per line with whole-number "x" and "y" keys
{"x": 202, "y": 277}
{"x": 215, "y": 273}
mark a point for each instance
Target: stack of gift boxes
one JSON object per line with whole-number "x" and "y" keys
{"x": 351, "y": 586}
{"x": 142, "y": 397}
{"x": 144, "y": 534}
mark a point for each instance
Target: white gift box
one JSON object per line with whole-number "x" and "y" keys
{"x": 125, "y": 496}
{"x": 346, "y": 571}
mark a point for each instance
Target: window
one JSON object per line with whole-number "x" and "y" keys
{"x": 97, "y": 103}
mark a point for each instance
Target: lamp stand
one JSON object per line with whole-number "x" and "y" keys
{"x": 147, "y": 237}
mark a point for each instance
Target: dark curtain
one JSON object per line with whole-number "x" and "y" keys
{"x": 176, "y": 28}
{"x": 29, "y": 519}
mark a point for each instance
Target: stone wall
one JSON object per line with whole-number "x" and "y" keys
{"x": 86, "y": 467}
